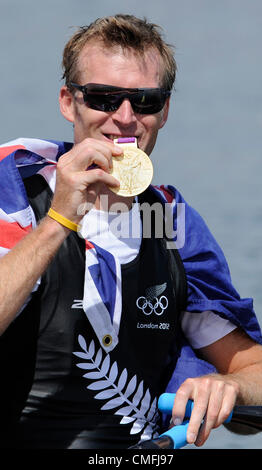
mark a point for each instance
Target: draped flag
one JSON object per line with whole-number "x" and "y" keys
{"x": 22, "y": 158}
{"x": 208, "y": 277}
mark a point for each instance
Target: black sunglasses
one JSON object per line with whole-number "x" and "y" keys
{"x": 108, "y": 98}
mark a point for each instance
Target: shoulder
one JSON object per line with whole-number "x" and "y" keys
{"x": 196, "y": 231}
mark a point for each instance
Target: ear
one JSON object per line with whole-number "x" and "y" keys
{"x": 66, "y": 102}
{"x": 164, "y": 113}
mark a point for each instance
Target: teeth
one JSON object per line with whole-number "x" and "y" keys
{"x": 112, "y": 136}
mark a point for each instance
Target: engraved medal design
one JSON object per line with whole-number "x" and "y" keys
{"x": 133, "y": 169}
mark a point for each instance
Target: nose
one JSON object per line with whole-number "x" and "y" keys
{"x": 124, "y": 114}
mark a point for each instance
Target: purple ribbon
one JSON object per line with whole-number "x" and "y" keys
{"x": 125, "y": 140}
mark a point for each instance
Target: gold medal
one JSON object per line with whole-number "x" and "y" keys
{"x": 133, "y": 169}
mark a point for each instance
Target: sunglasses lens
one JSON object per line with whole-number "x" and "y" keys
{"x": 148, "y": 102}
{"x": 103, "y": 102}
{"x": 143, "y": 102}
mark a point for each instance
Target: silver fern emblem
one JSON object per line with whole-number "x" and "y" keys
{"x": 155, "y": 291}
{"x": 128, "y": 396}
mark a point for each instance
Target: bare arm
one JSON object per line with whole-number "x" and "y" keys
{"x": 26, "y": 262}
{"x": 240, "y": 358}
{"x": 239, "y": 362}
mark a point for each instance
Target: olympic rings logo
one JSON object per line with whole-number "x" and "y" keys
{"x": 148, "y": 306}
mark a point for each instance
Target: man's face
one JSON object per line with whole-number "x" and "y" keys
{"x": 117, "y": 68}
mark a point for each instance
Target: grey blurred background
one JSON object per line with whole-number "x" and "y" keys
{"x": 210, "y": 148}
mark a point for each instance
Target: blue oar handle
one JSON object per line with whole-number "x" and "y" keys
{"x": 166, "y": 402}
{"x": 175, "y": 437}
{"x": 178, "y": 433}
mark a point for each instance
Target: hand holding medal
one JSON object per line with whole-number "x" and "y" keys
{"x": 133, "y": 169}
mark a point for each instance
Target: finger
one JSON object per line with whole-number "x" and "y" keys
{"x": 97, "y": 175}
{"x": 227, "y": 405}
{"x": 221, "y": 402}
{"x": 88, "y": 152}
{"x": 183, "y": 394}
{"x": 100, "y": 145}
{"x": 104, "y": 146}
{"x": 197, "y": 416}
{"x": 86, "y": 159}
{"x": 108, "y": 149}
{"x": 212, "y": 413}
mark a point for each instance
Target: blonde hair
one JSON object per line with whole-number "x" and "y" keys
{"x": 126, "y": 31}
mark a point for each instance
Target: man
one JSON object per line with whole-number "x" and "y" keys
{"x": 84, "y": 363}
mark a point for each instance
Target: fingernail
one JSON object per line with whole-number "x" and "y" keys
{"x": 177, "y": 421}
{"x": 191, "y": 437}
{"x": 118, "y": 149}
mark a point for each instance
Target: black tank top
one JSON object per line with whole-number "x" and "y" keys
{"x": 61, "y": 389}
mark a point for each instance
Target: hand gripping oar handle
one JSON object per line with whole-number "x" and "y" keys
{"x": 166, "y": 403}
{"x": 178, "y": 433}
{"x": 174, "y": 438}
{"x": 242, "y": 414}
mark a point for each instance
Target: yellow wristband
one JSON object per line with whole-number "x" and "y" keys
{"x": 62, "y": 220}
